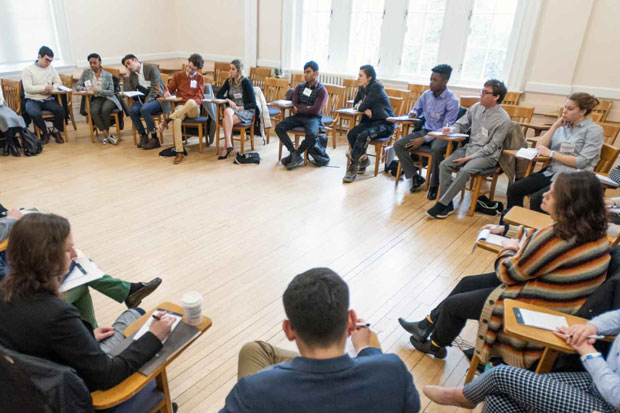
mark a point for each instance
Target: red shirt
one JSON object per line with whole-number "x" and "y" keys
{"x": 181, "y": 85}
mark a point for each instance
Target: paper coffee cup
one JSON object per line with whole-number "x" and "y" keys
{"x": 192, "y": 306}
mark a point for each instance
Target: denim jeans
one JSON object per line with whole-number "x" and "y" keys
{"x": 311, "y": 125}
{"x": 146, "y": 111}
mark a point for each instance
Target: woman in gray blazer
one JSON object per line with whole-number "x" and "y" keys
{"x": 103, "y": 102}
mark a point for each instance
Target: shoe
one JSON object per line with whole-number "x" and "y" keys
{"x": 152, "y": 144}
{"x": 178, "y": 159}
{"x": 5, "y": 149}
{"x": 296, "y": 161}
{"x": 446, "y": 211}
{"x": 143, "y": 140}
{"x": 228, "y": 151}
{"x": 434, "y": 210}
{"x": 286, "y": 160}
{"x": 427, "y": 348}
{"x": 413, "y": 328}
{"x": 416, "y": 183}
{"x": 351, "y": 173}
{"x": 104, "y": 141}
{"x": 364, "y": 163}
{"x": 45, "y": 139}
{"x": 14, "y": 150}
{"x": 447, "y": 396}
{"x": 175, "y": 407}
{"x": 58, "y": 137}
{"x": 432, "y": 193}
{"x": 134, "y": 299}
{"x": 112, "y": 139}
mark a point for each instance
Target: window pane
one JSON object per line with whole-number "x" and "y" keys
{"x": 18, "y": 44}
{"x": 315, "y": 20}
{"x": 364, "y": 33}
{"x": 489, "y": 35}
{"x": 422, "y": 36}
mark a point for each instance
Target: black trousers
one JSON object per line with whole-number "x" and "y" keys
{"x": 534, "y": 185}
{"x": 465, "y": 302}
{"x": 35, "y": 109}
{"x": 361, "y": 135}
{"x": 311, "y": 125}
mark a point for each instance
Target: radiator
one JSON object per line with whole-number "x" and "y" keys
{"x": 326, "y": 78}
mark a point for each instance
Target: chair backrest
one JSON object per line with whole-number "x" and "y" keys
{"x": 603, "y": 107}
{"x": 597, "y": 116}
{"x": 12, "y": 91}
{"x": 468, "y": 101}
{"x": 335, "y": 97}
{"x": 275, "y": 89}
{"x": 113, "y": 71}
{"x": 512, "y": 98}
{"x": 519, "y": 113}
{"x": 219, "y": 67}
{"x": 610, "y": 131}
{"x": 399, "y": 93}
{"x": 296, "y": 78}
{"x": 165, "y": 77}
{"x": 609, "y": 154}
{"x": 396, "y": 103}
{"x": 350, "y": 92}
{"x": 221, "y": 78}
{"x": 258, "y": 76}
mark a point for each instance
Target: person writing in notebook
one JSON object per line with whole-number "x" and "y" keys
{"x": 510, "y": 389}
{"x": 537, "y": 266}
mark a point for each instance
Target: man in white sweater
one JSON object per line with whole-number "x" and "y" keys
{"x": 39, "y": 80}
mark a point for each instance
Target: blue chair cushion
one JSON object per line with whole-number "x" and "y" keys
{"x": 327, "y": 120}
{"x": 144, "y": 401}
{"x": 274, "y": 112}
{"x": 387, "y": 138}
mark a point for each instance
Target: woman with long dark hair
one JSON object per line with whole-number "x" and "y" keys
{"x": 555, "y": 267}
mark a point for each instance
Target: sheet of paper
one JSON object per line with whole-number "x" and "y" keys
{"x": 606, "y": 180}
{"x": 541, "y": 320}
{"x": 452, "y": 135}
{"x": 527, "y": 153}
{"x": 64, "y": 88}
{"x": 132, "y": 93}
{"x": 84, "y": 272}
{"x": 402, "y": 118}
{"x": 348, "y": 110}
{"x": 147, "y": 325}
{"x": 281, "y": 102}
{"x": 486, "y": 236}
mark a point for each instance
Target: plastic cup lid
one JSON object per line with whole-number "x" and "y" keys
{"x": 192, "y": 298}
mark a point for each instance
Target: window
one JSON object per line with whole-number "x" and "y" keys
{"x": 314, "y": 22}
{"x": 422, "y": 36}
{"x": 365, "y": 33}
{"x": 489, "y": 34}
{"x": 18, "y": 46}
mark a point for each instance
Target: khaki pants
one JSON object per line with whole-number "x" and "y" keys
{"x": 189, "y": 109}
{"x": 257, "y": 355}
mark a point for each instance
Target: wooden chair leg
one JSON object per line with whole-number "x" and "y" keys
{"x": 334, "y": 136}
{"x": 90, "y": 127}
{"x": 493, "y": 185}
{"x": 305, "y": 157}
{"x": 242, "y": 141}
{"x": 280, "y": 152}
{"x": 135, "y": 134}
{"x": 378, "y": 152}
{"x": 473, "y": 368}
{"x": 161, "y": 381}
{"x": 475, "y": 194}
{"x": 118, "y": 125}
{"x": 399, "y": 170}
{"x": 252, "y": 137}
{"x": 200, "y": 133}
{"x": 546, "y": 361}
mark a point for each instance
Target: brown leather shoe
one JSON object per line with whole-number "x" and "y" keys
{"x": 179, "y": 158}
{"x": 58, "y": 137}
{"x": 45, "y": 139}
{"x": 152, "y": 144}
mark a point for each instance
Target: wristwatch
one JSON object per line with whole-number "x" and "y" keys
{"x": 590, "y": 356}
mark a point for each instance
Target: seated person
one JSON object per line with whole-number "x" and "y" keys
{"x": 10, "y": 124}
{"x": 573, "y": 142}
{"x": 540, "y": 269}
{"x": 119, "y": 290}
{"x": 104, "y": 101}
{"x": 188, "y": 85}
{"x": 323, "y": 378}
{"x": 40, "y": 80}
{"x": 375, "y": 105}
{"x": 145, "y": 77}
{"x": 440, "y": 108}
{"x": 35, "y": 321}
{"x": 308, "y": 101}
{"x": 239, "y": 93}
{"x": 510, "y": 389}
{"x": 489, "y": 124}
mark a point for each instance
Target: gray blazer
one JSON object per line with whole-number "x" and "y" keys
{"x": 107, "y": 85}
{"x": 156, "y": 90}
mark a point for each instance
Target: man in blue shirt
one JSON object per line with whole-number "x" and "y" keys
{"x": 440, "y": 108}
{"x": 323, "y": 378}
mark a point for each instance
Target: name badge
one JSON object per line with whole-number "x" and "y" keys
{"x": 238, "y": 95}
{"x": 193, "y": 84}
{"x": 436, "y": 115}
{"x": 307, "y": 92}
{"x": 88, "y": 83}
{"x": 567, "y": 147}
{"x": 484, "y": 132}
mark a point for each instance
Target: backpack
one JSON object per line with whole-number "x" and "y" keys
{"x": 170, "y": 152}
{"x": 31, "y": 144}
{"x": 318, "y": 153}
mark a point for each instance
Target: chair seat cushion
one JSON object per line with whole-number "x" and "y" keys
{"x": 274, "y": 112}
{"x": 379, "y": 140}
{"x": 424, "y": 149}
{"x": 300, "y": 129}
{"x": 199, "y": 119}
{"x": 488, "y": 171}
{"x": 145, "y": 401}
{"x": 327, "y": 120}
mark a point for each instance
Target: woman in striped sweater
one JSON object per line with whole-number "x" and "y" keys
{"x": 556, "y": 267}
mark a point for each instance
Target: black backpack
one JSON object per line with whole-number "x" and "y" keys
{"x": 31, "y": 144}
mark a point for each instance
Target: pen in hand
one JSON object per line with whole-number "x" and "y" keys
{"x": 159, "y": 317}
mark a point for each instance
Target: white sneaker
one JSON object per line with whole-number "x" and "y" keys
{"x": 113, "y": 139}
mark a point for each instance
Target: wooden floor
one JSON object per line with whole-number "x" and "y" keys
{"x": 239, "y": 233}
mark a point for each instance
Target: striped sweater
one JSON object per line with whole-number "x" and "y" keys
{"x": 546, "y": 271}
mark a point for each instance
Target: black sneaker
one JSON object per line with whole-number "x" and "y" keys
{"x": 363, "y": 164}
{"x": 286, "y": 160}
{"x": 446, "y": 211}
{"x": 416, "y": 183}
{"x": 296, "y": 161}
{"x": 415, "y": 329}
{"x": 427, "y": 348}
{"x": 436, "y": 209}
{"x": 432, "y": 193}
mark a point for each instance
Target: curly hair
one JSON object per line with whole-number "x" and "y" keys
{"x": 579, "y": 207}
{"x": 584, "y": 101}
{"x": 36, "y": 256}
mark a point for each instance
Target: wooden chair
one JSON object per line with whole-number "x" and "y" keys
{"x": 113, "y": 71}
{"x": 467, "y": 101}
{"x": 475, "y": 186}
{"x": 4, "y": 244}
{"x": 67, "y": 81}
{"x": 258, "y": 76}
{"x": 48, "y": 116}
{"x": 221, "y": 78}
{"x": 242, "y": 128}
{"x": 133, "y": 384}
{"x": 400, "y": 93}
{"x": 609, "y": 154}
{"x": 603, "y": 107}
{"x": 220, "y": 67}
{"x": 275, "y": 89}
{"x": 350, "y": 92}
{"x": 553, "y": 344}
{"x": 12, "y": 90}
{"x": 116, "y": 115}
{"x": 156, "y": 118}
{"x": 512, "y": 98}
{"x": 416, "y": 91}
{"x": 519, "y": 114}
{"x": 296, "y": 78}
{"x": 610, "y": 131}
{"x": 165, "y": 78}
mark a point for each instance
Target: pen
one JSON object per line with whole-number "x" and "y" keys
{"x": 593, "y": 337}
{"x": 362, "y": 325}
{"x": 158, "y": 317}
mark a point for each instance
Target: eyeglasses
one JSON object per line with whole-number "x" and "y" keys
{"x": 485, "y": 92}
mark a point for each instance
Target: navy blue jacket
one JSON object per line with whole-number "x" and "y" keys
{"x": 371, "y": 382}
